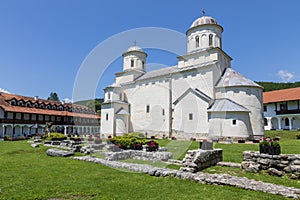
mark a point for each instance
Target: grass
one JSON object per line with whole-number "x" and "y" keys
{"x": 28, "y": 173}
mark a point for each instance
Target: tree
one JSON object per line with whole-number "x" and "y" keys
{"x": 53, "y": 96}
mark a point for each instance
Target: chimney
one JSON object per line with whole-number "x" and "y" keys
{"x": 36, "y": 98}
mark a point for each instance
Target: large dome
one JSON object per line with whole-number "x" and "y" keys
{"x": 204, "y": 20}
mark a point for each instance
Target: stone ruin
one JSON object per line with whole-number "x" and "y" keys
{"x": 275, "y": 164}
{"x": 197, "y": 160}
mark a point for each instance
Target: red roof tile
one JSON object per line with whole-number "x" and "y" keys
{"x": 291, "y": 94}
{"x": 5, "y": 97}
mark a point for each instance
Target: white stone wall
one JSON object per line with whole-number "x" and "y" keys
{"x": 138, "y": 59}
{"x": 250, "y": 98}
{"x": 107, "y": 125}
{"x": 197, "y": 108}
{"x": 203, "y": 33}
{"x": 155, "y": 94}
{"x": 221, "y": 124}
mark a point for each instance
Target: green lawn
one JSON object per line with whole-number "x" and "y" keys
{"x": 28, "y": 173}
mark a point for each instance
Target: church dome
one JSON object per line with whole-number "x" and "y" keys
{"x": 134, "y": 48}
{"x": 204, "y": 20}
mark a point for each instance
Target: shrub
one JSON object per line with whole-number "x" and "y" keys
{"x": 57, "y": 136}
{"x": 298, "y": 136}
{"x": 137, "y": 134}
{"x": 152, "y": 146}
{"x": 128, "y": 141}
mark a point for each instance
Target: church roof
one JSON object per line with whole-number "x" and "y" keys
{"x": 134, "y": 48}
{"x": 122, "y": 111}
{"x": 204, "y": 20}
{"x": 171, "y": 70}
{"x": 195, "y": 91}
{"x": 231, "y": 78}
{"x": 290, "y": 94}
{"x": 226, "y": 105}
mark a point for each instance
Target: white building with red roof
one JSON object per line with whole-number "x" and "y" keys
{"x": 282, "y": 109}
{"x": 24, "y": 116}
{"x": 200, "y": 97}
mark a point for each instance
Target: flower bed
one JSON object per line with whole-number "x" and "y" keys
{"x": 269, "y": 146}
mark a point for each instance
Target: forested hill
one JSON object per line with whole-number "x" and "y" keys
{"x": 94, "y": 104}
{"x": 270, "y": 86}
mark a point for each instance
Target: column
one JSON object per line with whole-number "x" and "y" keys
{"x": 290, "y": 123}
{"x": 269, "y": 120}
{"x": 279, "y": 122}
{"x": 3, "y": 130}
{"x": 65, "y": 130}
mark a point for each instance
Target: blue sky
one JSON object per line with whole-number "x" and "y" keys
{"x": 43, "y": 43}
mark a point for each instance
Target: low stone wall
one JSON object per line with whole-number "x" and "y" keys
{"x": 200, "y": 177}
{"x": 197, "y": 160}
{"x": 138, "y": 155}
{"x": 276, "y": 164}
{"x": 58, "y": 152}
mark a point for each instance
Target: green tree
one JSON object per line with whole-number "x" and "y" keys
{"x": 53, "y": 96}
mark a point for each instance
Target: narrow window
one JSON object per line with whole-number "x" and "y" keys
{"x": 163, "y": 112}
{"x": 265, "y": 108}
{"x": 132, "y": 62}
{"x": 143, "y": 64}
{"x": 129, "y": 108}
{"x": 197, "y": 41}
{"x": 108, "y": 96}
{"x": 120, "y": 96}
{"x": 147, "y": 109}
{"x": 190, "y": 116}
{"x": 106, "y": 117}
{"x": 234, "y": 122}
{"x": 210, "y": 40}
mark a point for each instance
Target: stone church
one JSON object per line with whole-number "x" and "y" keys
{"x": 201, "y": 97}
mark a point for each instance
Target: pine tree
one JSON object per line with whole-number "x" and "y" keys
{"x": 53, "y": 96}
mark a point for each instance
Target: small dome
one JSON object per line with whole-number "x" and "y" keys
{"x": 204, "y": 20}
{"x": 134, "y": 48}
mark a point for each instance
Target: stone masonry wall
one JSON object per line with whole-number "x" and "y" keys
{"x": 284, "y": 163}
{"x": 200, "y": 177}
{"x": 138, "y": 155}
{"x": 196, "y": 160}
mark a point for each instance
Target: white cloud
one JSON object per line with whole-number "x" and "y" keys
{"x": 285, "y": 75}
{"x": 67, "y": 100}
{"x": 3, "y": 90}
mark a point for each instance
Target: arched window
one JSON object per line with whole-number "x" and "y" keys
{"x": 28, "y": 104}
{"x": 108, "y": 96}
{"x": 106, "y": 116}
{"x": 143, "y": 64}
{"x": 13, "y": 102}
{"x": 197, "y": 41}
{"x": 20, "y": 103}
{"x": 210, "y": 42}
{"x": 287, "y": 121}
{"x": 265, "y": 122}
{"x": 132, "y": 63}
